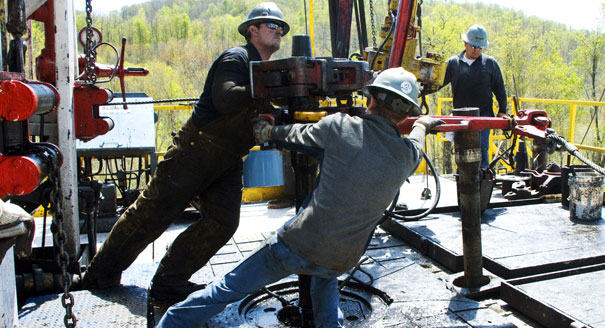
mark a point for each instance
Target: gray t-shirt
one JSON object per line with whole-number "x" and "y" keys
{"x": 364, "y": 161}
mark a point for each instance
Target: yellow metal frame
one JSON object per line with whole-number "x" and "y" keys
{"x": 573, "y": 110}
{"x": 261, "y": 194}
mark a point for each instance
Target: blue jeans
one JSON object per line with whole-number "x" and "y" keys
{"x": 484, "y": 148}
{"x": 268, "y": 264}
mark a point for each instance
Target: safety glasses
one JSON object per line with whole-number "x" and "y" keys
{"x": 274, "y": 26}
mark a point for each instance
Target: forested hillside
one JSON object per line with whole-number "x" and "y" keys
{"x": 177, "y": 40}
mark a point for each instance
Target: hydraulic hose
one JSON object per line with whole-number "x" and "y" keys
{"x": 390, "y": 211}
{"x": 383, "y": 42}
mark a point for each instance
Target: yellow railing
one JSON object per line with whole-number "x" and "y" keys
{"x": 573, "y": 111}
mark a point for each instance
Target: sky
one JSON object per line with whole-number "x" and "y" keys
{"x": 578, "y": 14}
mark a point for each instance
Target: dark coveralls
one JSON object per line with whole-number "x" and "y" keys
{"x": 205, "y": 160}
{"x": 472, "y": 86}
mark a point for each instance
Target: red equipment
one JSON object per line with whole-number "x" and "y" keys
{"x": 530, "y": 123}
{"x": 103, "y": 70}
{"x": 23, "y": 165}
{"x": 88, "y": 122}
{"x": 88, "y": 97}
{"x": 21, "y": 99}
{"x": 21, "y": 174}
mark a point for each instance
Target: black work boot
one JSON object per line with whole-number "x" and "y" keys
{"x": 174, "y": 293}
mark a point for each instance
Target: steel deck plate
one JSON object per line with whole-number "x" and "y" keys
{"x": 562, "y": 298}
{"x": 517, "y": 241}
{"x": 420, "y": 298}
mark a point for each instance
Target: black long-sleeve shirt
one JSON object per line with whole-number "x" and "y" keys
{"x": 472, "y": 86}
{"x": 225, "y": 90}
{"x": 226, "y": 106}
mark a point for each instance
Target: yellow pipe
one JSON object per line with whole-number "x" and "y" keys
{"x": 572, "y": 122}
{"x": 309, "y": 116}
{"x": 172, "y": 107}
{"x": 261, "y": 194}
{"x": 563, "y": 102}
{"x": 591, "y": 148}
{"x": 311, "y": 29}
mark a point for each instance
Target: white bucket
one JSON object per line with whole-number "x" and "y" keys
{"x": 585, "y": 196}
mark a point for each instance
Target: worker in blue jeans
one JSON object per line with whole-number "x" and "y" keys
{"x": 363, "y": 163}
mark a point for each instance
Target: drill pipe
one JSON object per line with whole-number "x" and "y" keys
{"x": 468, "y": 158}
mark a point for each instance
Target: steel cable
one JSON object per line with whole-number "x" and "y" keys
{"x": 575, "y": 152}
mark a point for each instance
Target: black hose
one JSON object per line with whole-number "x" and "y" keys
{"x": 390, "y": 211}
{"x": 383, "y": 42}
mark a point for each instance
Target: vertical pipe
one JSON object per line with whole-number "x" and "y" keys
{"x": 572, "y": 122}
{"x": 311, "y": 29}
{"x": 1, "y": 20}
{"x": 3, "y": 40}
{"x": 362, "y": 19}
{"x": 65, "y": 48}
{"x": 404, "y": 16}
{"x": 468, "y": 157}
{"x": 305, "y": 169}
{"x": 16, "y": 25}
{"x": 341, "y": 14}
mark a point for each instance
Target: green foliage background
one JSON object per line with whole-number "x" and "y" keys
{"x": 177, "y": 40}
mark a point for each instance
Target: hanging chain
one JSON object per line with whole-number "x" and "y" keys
{"x": 373, "y": 24}
{"x": 67, "y": 299}
{"x": 90, "y": 52}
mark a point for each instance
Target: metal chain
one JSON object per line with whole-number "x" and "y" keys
{"x": 67, "y": 299}
{"x": 90, "y": 53}
{"x": 373, "y": 24}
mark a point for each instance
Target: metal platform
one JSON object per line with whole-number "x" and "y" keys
{"x": 421, "y": 295}
{"x": 517, "y": 241}
{"x": 419, "y": 298}
{"x": 570, "y": 298}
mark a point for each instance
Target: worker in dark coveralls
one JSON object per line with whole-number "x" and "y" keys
{"x": 205, "y": 160}
{"x": 364, "y": 161}
{"x": 475, "y": 77}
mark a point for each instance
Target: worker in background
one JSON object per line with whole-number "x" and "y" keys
{"x": 364, "y": 161}
{"x": 205, "y": 160}
{"x": 475, "y": 77}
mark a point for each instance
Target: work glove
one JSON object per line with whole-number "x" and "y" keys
{"x": 11, "y": 216}
{"x": 427, "y": 123}
{"x": 261, "y": 130}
